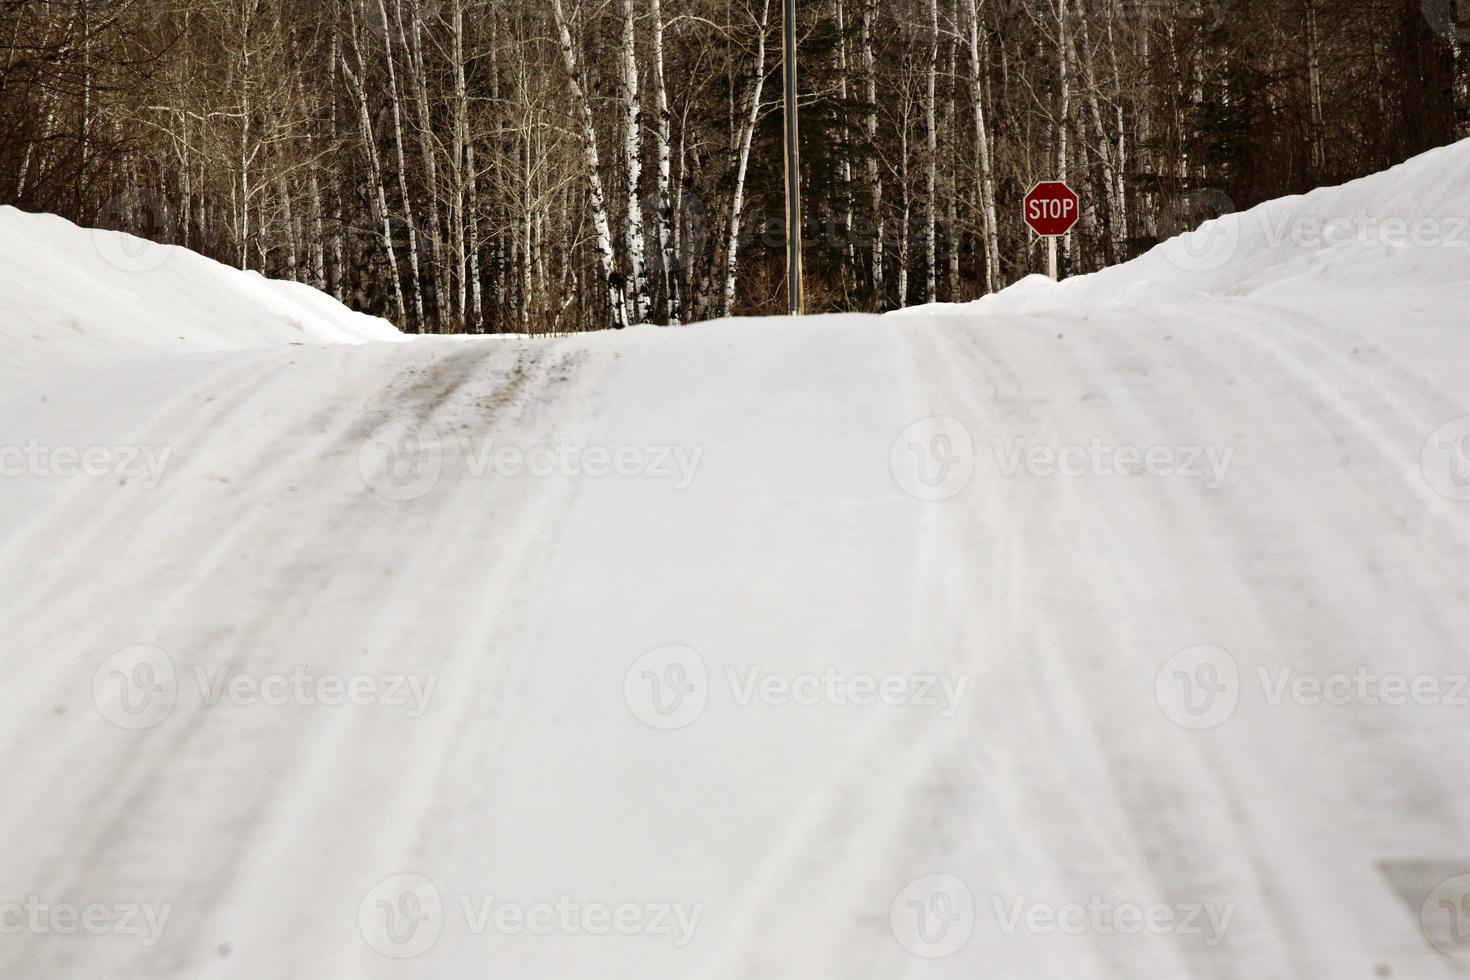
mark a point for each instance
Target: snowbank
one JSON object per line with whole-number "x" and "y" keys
{"x": 67, "y": 291}
{"x": 1405, "y": 227}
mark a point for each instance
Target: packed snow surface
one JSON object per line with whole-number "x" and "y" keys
{"x": 1110, "y": 629}
{"x": 67, "y": 292}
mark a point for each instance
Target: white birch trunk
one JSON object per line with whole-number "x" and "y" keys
{"x": 633, "y": 160}
{"x": 337, "y": 239}
{"x": 598, "y": 196}
{"x": 1314, "y": 84}
{"x": 471, "y": 236}
{"x": 408, "y": 215}
{"x": 439, "y": 269}
{"x": 952, "y": 159}
{"x": 244, "y": 249}
{"x": 875, "y": 174}
{"x": 846, "y": 144}
{"x": 904, "y": 246}
{"x": 931, "y": 170}
{"x": 746, "y": 137}
{"x": 1103, "y": 145}
{"x": 1120, "y": 150}
{"x": 1064, "y": 104}
{"x": 668, "y": 241}
{"x": 375, "y": 170}
{"x": 459, "y": 160}
{"x": 990, "y": 232}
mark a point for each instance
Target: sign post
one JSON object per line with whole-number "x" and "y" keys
{"x": 1051, "y": 209}
{"x": 794, "y": 290}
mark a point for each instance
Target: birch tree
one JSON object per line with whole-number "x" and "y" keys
{"x": 875, "y": 171}
{"x": 449, "y": 165}
{"x": 408, "y": 214}
{"x": 375, "y": 167}
{"x": 746, "y": 136}
{"x": 931, "y": 171}
{"x": 666, "y": 224}
{"x": 990, "y": 231}
{"x": 633, "y": 159}
{"x": 617, "y": 295}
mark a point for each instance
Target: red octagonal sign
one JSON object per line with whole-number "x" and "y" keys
{"x": 1051, "y": 208}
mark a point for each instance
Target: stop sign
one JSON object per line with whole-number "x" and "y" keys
{"x": 1051, "y": 209}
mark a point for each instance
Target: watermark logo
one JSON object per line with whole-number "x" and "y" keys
{"x": 1099, "y": 916}
{"x": 432, "y": 16}
{"x": 839, "y": 689}
{"x": 1198, "y": 688}
{"x": 1450, "y": 19}
{"x": 677, "y": 465}
{"x": 305, "y": 687}
{"x": 568, "y": 916}
{"x": 1208, "y": 465}
{"x": 933, "y": 459}
{"x": 388, "y": 22}
{"x": 1207, "y": 14}
{"x": 401, "y": 916}
{"x": 1364, "y": 686}
{"x": 933, "y": 917}
{"x": 1201, "y": 236}
{"x": 1202, "y": 232}
{"x": 401, "y": 459}
{"x": 120, "y": 230}
{"x": 136, "y": 687}
{"x": 145, "y": 464}
{"x": 1446, "y": 460}
{"x": 145, "y": 921}
{"x": 667, "y": 688}
{"x": 1363, "y": 229}
{"x": 1445, "y": 917}
{"x": 689, "y": 220}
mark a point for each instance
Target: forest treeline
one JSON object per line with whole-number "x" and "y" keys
{"x": 555, "y": 165}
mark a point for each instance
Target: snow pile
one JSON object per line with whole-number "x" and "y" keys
{"x": 1408, "y": 227}
{"x": 67, "y": 291}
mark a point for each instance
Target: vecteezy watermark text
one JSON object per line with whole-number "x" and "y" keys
{"x": 1206, "y": 464}
{"x": 403, "y": 915}
{"x": 1102, "y": 917}
{"x": 1446, "y": 460}
{"x": 1200, "y": 688}
{"x": 35, "y": 459}
{"x": 841, "y": 689}
{"x": 36, "y": 917}
{"x": 934, "y": 917}
{"x": 669, "y": 687}
{"x": 402, "y": 460}
{"x": 677, "y": 464}
{"x": 935, "y": 459}
{"x": 138, "y": 687}
{"x": 1205, "y": 232}
{"x": 302, "y": 686}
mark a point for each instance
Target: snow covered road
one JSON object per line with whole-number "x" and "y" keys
{"x": 1101, "y": 641}
{"x": 1009, "y": 639}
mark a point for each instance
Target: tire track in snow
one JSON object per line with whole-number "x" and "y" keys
{"x": 126, "y": 808}
{"x": 1060, "y": 597}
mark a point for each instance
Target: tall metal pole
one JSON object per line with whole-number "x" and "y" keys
{"x": 794, "y": 288}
